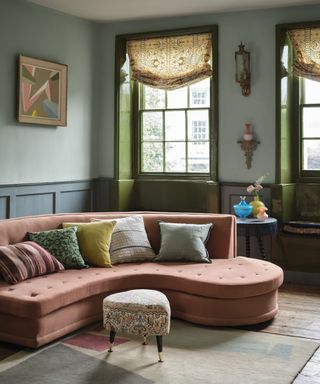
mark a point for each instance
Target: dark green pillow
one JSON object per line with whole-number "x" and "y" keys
{"x": 184, "y": 242}
{"x": 61, "y": 243}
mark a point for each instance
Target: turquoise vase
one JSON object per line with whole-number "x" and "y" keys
{"x": 243, "y": 209}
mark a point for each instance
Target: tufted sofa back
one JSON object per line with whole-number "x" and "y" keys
{"x": 221, "y": 243}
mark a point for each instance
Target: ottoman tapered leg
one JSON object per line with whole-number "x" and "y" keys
{"x": 111, "y": 339}
{"x": 159, "y": 345}
{"x": 144, "y": 340}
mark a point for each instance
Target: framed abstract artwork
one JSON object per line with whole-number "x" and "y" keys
{"x": 42, "y": 92}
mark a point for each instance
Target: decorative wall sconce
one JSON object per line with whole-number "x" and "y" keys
{"x": 248, "y": 144}
{"x": 242, "y": 58}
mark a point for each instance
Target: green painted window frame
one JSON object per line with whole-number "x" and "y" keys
{"x": 131, "y": 134}
{"x": 295, "y": 104}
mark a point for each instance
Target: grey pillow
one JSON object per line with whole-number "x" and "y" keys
{"x": 184, "y": 242}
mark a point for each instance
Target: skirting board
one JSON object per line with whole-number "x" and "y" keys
{"x": 307, "y": 278}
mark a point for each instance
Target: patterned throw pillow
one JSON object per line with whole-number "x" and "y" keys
{"x": 129, "y": 241}
{"x": 184, "y": 242}
{"x": 22, "y": 261}
{"x": 94, "y": 241}
{"x": 61, "y": 243}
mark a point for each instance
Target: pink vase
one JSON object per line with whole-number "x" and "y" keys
{"x": 248, "y": 135}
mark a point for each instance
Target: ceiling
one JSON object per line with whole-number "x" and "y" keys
{"x": 116, "y": 10}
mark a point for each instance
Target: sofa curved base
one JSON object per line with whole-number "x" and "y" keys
{"x": 223, "y": 312}
{"x": 34, "y": 333}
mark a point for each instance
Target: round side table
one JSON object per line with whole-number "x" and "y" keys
{"x": 256, "y": 228}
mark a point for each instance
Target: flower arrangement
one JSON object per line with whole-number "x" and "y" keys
{"x": 256, "y": 187}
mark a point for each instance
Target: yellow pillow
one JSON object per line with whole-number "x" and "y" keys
{"x": 94, "y": 241}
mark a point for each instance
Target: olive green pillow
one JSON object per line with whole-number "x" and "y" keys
{"x": 94, "y": 241}
{"x": 184, "y": 242}
{"x": 63, "y": 244}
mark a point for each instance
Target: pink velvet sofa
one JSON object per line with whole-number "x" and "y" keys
{"x": 230, "y": 291}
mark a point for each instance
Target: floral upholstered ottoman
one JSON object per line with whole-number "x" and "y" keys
{"x": 142, "y": 312}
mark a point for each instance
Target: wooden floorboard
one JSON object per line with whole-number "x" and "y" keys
{"x": 299, "y": 312}
{"x": 299, "y": 316}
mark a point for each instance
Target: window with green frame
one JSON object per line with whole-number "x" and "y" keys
{"x": 298, "y": 115}
{"x": 309, "y": 91}
{"x": 173, "y": 133}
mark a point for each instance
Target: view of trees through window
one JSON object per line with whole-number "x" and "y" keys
{"x": 175, "y": 129}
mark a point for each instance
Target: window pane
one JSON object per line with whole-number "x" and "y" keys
{"x": 152, "y": 157}
{"x": 198, "y": 157}
{"x": 311, "y": 91}
{"x": 198, "y": 125}
{"x": 153, "y": 98}
{"x": 152, "y": 126}
{"x": 285, "y": 56}
{"x": 311, "y": 122}
{"x": 175, "y": 157}
{"x": 284, "y": 90}
{"x": 175, "y": 124}
{"x": 200, "y": 94}
{"x": 177, "y": 98}
{"x": 311, "y": 155}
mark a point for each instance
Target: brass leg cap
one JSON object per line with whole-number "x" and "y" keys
{"x": 144, "y": 340}
{"x": 160, "y": 357}
{"x": 110, "y": 348}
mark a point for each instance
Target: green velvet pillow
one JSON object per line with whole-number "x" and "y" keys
{"x": 61, "y": 243}
{"x": 184, "y": 242}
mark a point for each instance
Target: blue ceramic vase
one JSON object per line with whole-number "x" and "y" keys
{"x": 243, "y": 209}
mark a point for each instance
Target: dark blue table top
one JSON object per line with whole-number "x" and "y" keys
{"x": 253, "y": 227}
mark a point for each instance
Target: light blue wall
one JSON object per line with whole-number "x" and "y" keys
{"x": 256, "y": 29}
{"x": 85, "y": 148}
{"x": 31, "y": 154}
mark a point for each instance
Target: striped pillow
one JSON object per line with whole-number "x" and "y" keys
{"x": 22, "y": 261}
{"x": 129, "y": 241}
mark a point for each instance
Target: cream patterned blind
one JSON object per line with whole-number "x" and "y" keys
{"x": 171, "y": 62}
{"x": 306, "y": 45}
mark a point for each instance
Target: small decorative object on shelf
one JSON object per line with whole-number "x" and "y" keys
{"x": 243, "y": 209}
{"x": 254, "y": 190}
{"x": 262, "y": 215}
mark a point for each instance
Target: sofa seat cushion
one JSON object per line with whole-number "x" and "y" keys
{"x": 239, "y": 277}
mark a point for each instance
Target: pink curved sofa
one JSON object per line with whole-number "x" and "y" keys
{"x": 230, "y": 291}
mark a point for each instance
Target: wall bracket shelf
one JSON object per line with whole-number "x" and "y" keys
{"x": 248, "y": 148}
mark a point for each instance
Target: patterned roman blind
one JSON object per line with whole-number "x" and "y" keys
{"x": 306, "y": 46}
{"x": 171, "y": 62}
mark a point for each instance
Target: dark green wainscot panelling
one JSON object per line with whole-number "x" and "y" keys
{"x": 308, "y": 201}
{"x": 165, "y": 195}
{"x": 123, "y": 195}
{"x": 283, "y": 201}
{"x": 291, "y": 202}
{"x": 296, "y": 252}
{"x": 176, "y": 195}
